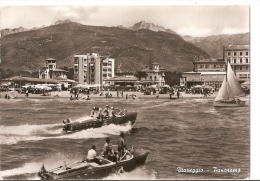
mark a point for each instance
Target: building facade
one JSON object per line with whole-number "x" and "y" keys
{"x": 80, "y": 68}
{"x": 239, "y": 58}
{"x": 209, "y": 65}
{"x": 155, "y": 75}
{"x": 213, "y": 79}
{"x": 50, "y": 70}
{"x": 93, "y": 68}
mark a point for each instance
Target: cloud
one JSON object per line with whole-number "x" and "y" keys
{"x": 229, "y": 30}
{"x": 194, "y": 31}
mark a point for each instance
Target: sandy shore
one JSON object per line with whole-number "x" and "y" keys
{"x": 66, "y": 94}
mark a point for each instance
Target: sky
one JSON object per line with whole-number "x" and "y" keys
{"x": 194, "y": 20}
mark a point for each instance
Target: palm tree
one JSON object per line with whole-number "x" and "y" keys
{"x": 140, "y": 75}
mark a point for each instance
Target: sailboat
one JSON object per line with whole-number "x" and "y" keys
{"x": 228, "y": 95}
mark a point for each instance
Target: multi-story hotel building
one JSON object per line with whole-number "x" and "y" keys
{"x": 239, "y": 58}
{"x": 80, "y": 68}
{"x": 205, "y": 72}
{"x": 209, "y": 65}
{"x": 93, "y": 68}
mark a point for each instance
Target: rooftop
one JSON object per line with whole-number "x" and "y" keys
{"x": 236, "y": 47}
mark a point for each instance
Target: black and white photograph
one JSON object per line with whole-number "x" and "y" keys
{"x": 128, "y": 91}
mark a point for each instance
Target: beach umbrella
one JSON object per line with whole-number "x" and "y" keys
{"x": 176, "y": 86}
{"x": 197, "y": 86}
{"x": 128, "y": 86}
{"x": 117, "y": 85}
{"x": 207, "y": 87}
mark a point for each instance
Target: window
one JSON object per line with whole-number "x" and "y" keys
{"x": 246, "y": 67}
{"x": 240, "y": 60}
{"x": 235, "y": 53}
{"x": 206, "y": 66}
{"x": 241, "y": 53}
{"x": 151, "y": 77}
{"x": 240, "y": 67}
{"x": 221, "y": 66}
{"x": 235, "y": 68}
{"x": 246, "y": 60}
{"x": 235, "y": 60}
{"x": 247, "y": 53}
{"x": 214, "y": 66}
{"x": 228, "y": 53}
{"x": 201, "y": 66}
{"x": 228, "y": 60}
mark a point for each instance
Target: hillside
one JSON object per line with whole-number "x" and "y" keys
{"x": 132, "y": 50}
{"x": 213, "y": 45}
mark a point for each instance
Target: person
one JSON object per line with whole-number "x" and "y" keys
{"x": 99, "y": 113}
{"x": 121, "y": 145}
{"x": 88, "y": 98}
{"x": 108, "y": 151}
{"x": 126, "y": 96}
{"x": 178, "y": 93}
{"x": 92, "y": 113}
{"x": 91, "y": 157}
{"x": 106, "y": 112}
{"x": 112, "y": 113}
{"x": 6, "y": 96}
{"x": 27, "y": 93}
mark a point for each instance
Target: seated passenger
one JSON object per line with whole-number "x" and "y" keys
{"x": 108, "y": 151}
{"x": 99, "y": 114}
{"x": 92, "y": 113}
{"x": 91, "y": 157}
{"x": 112, "y": 113}
{"x": 106, "y": 112}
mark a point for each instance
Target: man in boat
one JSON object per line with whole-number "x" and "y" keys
{"x": 91, "y": 157}
{"x": 92, "y": 113}
{"x": 106, "y": 112}
{"x": 121, "y": 145}
{"x": 108, "y": 150}
{"x": 112, "y": 113}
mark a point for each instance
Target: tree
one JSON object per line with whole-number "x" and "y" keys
{"x": 71, "y": 73}
{"x": 172, "y": 78}
{"x": 140, "y": 75}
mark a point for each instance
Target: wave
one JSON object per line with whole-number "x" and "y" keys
{"x": 12, "y": 135}
{"x": 25, "y": 169}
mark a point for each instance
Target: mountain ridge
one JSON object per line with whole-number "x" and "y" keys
{"x": 132, "y": 50}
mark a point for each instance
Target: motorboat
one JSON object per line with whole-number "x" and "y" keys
{"x": 91, "y": 170}
{"x": 119, "y": 119}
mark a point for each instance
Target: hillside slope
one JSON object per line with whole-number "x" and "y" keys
{"x": 132, "y": 50}
{"x": 213, "y": 45}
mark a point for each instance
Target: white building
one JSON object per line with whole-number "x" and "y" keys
{"x": 239, "y": 58}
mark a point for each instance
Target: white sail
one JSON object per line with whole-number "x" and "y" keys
{"x": 230, "y": 86}
{"x": 222, "y": 93}
{"x": 233, "y": 83}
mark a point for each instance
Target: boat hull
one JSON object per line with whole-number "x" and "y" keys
{"x": 129, "y": 117}
{"x": 228, "y": 104}
{"x": 88, "y": 172}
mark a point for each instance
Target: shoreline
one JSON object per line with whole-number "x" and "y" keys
{"x": 66, "y": 94}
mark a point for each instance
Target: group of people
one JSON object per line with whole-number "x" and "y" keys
{"x": 98, "y": 113}
{"x": 108, "y": 151}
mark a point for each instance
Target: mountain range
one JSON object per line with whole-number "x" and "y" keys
{"x": 132, "y": 48}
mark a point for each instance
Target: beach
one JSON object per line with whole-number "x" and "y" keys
{"x": 67, "y": 94}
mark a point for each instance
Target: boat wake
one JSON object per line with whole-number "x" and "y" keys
{"x": 13, "y": 134}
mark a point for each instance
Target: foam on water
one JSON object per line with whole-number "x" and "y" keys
{"x": 14, "y": 134}
{"x": 25, "y": 169}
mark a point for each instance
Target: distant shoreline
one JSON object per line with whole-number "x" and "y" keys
{"x": 66, "y": 94}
